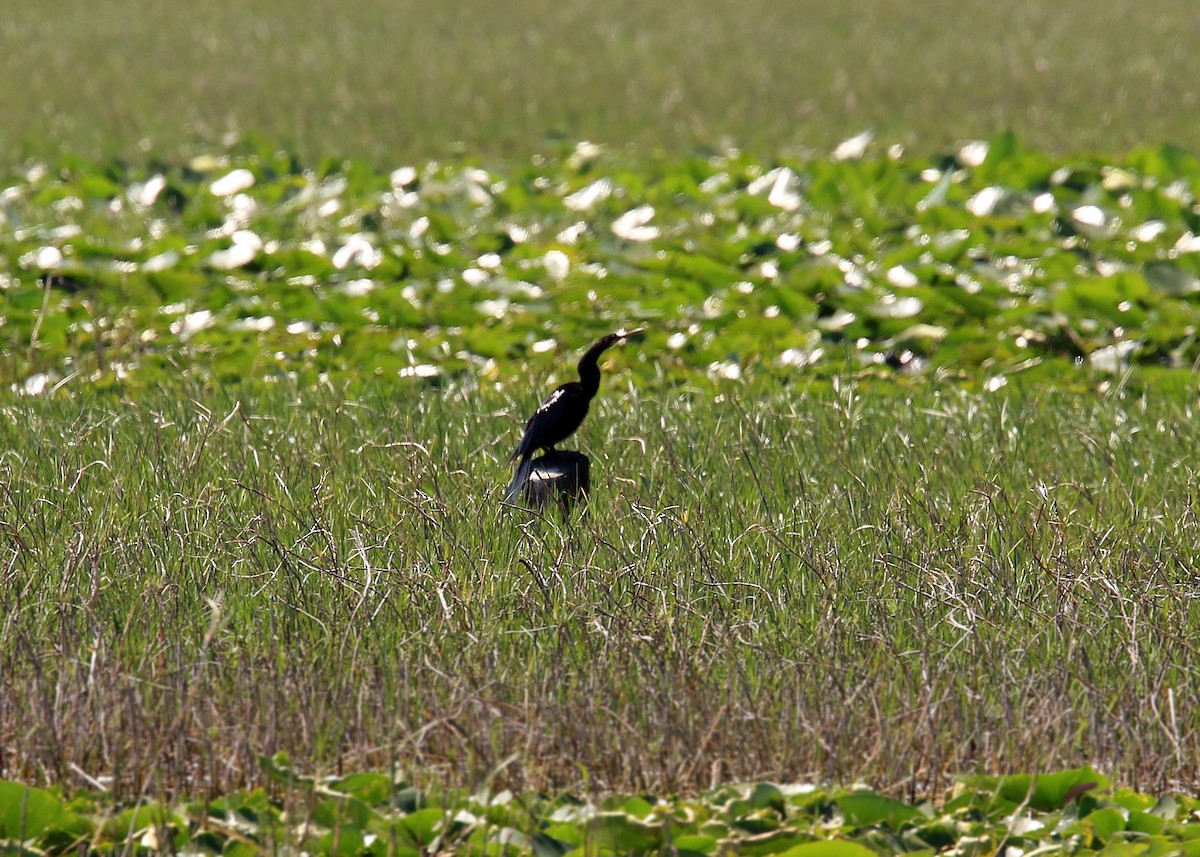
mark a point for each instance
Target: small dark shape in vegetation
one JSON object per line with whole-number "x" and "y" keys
{"x": 562, "y": 412}
{"x": 561, "y": 478}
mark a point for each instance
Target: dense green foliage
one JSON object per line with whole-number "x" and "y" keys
{"x": 1070, "y": 812}
{"x": 987, "y": 262}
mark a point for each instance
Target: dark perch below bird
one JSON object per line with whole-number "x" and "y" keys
{"x": 562, "y": 413}
{"x": 561, "y": 478}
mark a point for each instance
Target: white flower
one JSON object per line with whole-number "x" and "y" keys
{"x": 800, "y": 357}
{"x": 1148, "y": 231}
{"x": 403, "y": 177}
{"x": 837, "y": 321}
{"x": 475, "y": 276}
{"x": 231, "y": 183}
{"x": 1043, "y": 203}
{"x": 633, "y": 225}
{"x": 44, "y": 258}
{"x": 853, "y": 148}
{"x": 572, "y": 233}
{"x": 780, "y": 184}
{"x": 242, "y": 251}
{"x": 891, "y": 306}
{"x": 901, "y": 277}
{"x": 587, "y": 197}
{"x": 192, "y": 323}
{"x": 164, "y": 260}
{"x": 974, "y": 153}
{"x": 728, "y": 370}
{"x": 36, "y": 384}
{"x": 1089, "y": 216}
{"x": 984, "y": 203}
{"x": 146, "y": 194}
{"x": 357, "y": 251}
{"x": 421, "y": 370}
{"x": 357, "y": 288}
{"x": 496, "y": 308}
{"x": 256, "y": 325}
{"x": 1112, "y": 358}
{"x": 1188, "y": 243}
{"x": 557, "y": 265}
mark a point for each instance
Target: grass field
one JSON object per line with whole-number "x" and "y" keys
{"x": 396, "y": 81}
{"x": 899, "y": 485}
{"x": 771, "y": 585}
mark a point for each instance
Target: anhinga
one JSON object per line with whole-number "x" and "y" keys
{"x": 563, "y": 411}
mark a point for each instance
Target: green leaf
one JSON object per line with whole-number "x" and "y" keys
{"x": 132, "y": 822}
{"x": 27, "y": 812}
{"x": 241, "y": 848}
{"x": 1145, "y": 822}
{"x": 344, "y": 842}
{"x": 622, "y": 833}
{"x": 862, "y": 810}
{"x": 1105, "y": 822}
{"x": 775, "y": 842}
{"x": 829, "y": 849}
{"x": 424, "y": 824}
{"x": 342, "y": 811}
{"x": 1045, "y": 791}
{"x": 1166, "y": 807}
{"x": 767, "y": 796}
{"x": 691, "y": 844}
{"x": 638, "y": 807}
{"x": 545, "y": 845}
{"x": 757, "y": 821}
{"x": 204, "y": 842}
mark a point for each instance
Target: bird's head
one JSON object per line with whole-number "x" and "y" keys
{"x": 592, "y": 356}
{"x": 619, "y": 336}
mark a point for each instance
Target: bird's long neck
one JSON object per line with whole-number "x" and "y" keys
{"x": 589, "y": 368}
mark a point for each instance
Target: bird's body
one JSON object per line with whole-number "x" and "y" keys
{"x": 555, "y": 420}
{"x": 558, "y": 417}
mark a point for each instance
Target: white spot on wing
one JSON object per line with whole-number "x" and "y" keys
{"x": 549, "y": 403}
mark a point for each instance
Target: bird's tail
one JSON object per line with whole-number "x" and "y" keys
{"x": 519, "y": 479}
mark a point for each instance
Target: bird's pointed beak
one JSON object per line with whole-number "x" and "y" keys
{"x": 626, "y": 334}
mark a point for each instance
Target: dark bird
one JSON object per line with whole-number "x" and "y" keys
{"x": 563, "y": 411}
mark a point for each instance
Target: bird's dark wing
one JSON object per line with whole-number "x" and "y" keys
{"x": 553, "y": 421}
{"x": 538, "y": 424}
